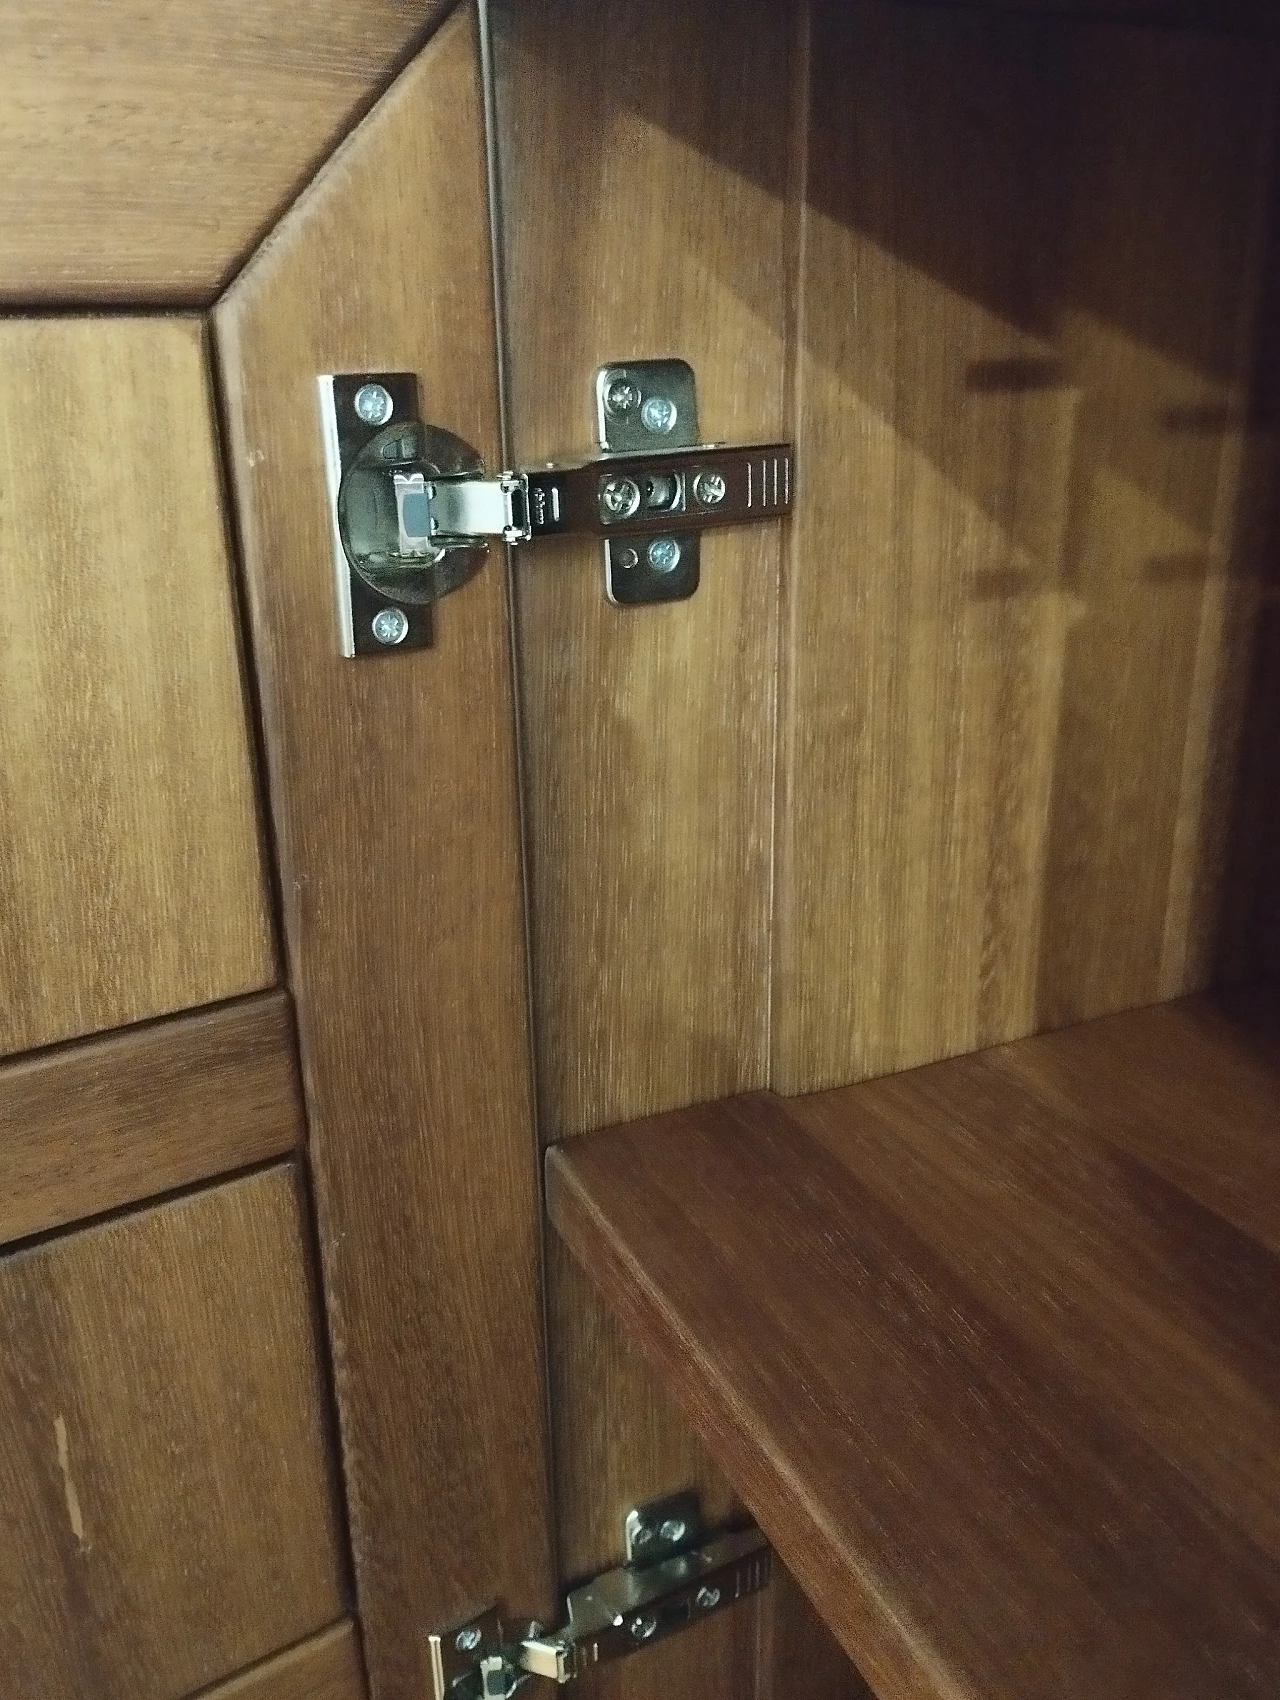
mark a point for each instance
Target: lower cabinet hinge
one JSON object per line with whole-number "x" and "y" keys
{"x": 673, "y": 1577}
{"x": 412, "y": 510}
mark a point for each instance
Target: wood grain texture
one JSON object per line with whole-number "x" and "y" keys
{"x": 1021, "y": 601}
{"x": 115, "y": 1120}
{"x": 626, "y": 1445}
{"x": 1260, "y": 784}
{"x": 1255, "y": 886}
{"x": 326, "y": 1667}
{"x": 1006, "y": 1397}
{"x": 1223, "y": 1052}
{"x": 169, "y": 1510}
{"x": 144, "y": 148}
{"x": 620, "y": 1441}
{"x": 646, "y": 216}
{"x": 394, "y": 792}
{"x": 130, "y": 874}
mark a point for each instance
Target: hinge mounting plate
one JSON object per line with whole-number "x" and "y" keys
{"x": 412, "y": 511}
{"x": 675, "y": 1575}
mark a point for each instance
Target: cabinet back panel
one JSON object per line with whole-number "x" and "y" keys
{"x": 1021, "y": 604}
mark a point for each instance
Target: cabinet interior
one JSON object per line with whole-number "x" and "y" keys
{"x": 1019, "y": 781}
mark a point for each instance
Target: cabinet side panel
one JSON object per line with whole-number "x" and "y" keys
{"x": 644, "y": 215}
{"x": 645, "y": 172}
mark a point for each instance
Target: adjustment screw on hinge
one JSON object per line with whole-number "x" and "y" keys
{"x": 467, "y": 1640}
{"x": 373, "y": 404}
{"x": 619, "y": 497}
{"x": 659, "y": 415}
{"x": 622, "y": 397}
{"x": 663, "y": 555}
{"x": 390, "y": 626}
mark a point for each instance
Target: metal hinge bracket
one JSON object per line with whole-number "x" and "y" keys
{"x": 674, "y": 1576}
{"x": 412, "y": 511}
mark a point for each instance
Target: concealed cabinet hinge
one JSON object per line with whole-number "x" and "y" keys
{"x": 412, "y": 511}
{"x": 674, "y": 1577}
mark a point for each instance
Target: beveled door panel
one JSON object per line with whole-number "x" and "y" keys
{"x": 131, "y": 878}
{"x": 326, "y": 1667}
{"x": 169, "y": 1510}
{"x": 145, "y": 148}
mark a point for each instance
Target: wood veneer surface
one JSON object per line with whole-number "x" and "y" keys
{"x": 88, "y": 1127}
{"x": 394, "y": 798}
{"x": 990, "y": 1348}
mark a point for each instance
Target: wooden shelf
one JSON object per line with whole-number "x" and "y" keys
{"x": 991, "y": 1349}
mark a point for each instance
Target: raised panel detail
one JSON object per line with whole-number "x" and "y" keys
{"x": 131, "y": 882}
{"x": 169, "y": 1513}
{"x": 90, "y": 1127}
{"x": 145, "y": 148}
{"x": 327, "y": 1667}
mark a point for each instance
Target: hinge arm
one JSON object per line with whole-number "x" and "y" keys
{"x": 467, "y": 510}
{"x": 627, "y": 1608}
{"x": 605, "y": 496}
{"x": 619, "y": 1613}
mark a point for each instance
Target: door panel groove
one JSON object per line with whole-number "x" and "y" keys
{"x": 105, "y": 1123}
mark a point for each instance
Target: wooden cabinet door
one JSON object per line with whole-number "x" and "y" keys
{"x": 395, "y": 808}
{"x": 164, "y": 1421}
{"x": 271, "y": 1356}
